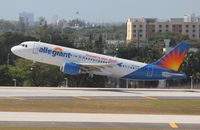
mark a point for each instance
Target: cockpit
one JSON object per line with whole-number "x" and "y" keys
{"x": 24, "y": 45}
{"x": 23, "y": 50}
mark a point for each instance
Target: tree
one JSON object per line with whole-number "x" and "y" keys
{"x": 46, "y": 75}
{"x": 99, "y": 44}
{"x": 5, "y": 77}
{"x": 83, "y": 80}
{"x": 174, "y": 37}
{"x": 191, "y": 64}
{"x": 9, "y": 39}
{"x": 6, "y": 26}
{"x": 21, "y": 72}
{"x": 41, "y": 75}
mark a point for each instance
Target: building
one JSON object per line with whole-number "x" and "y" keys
{"x": 141, "y": 29}
{"x": 27, "y": 18}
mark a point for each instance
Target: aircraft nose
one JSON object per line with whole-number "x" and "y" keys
{"x": 16, "y": 50}
{"x": 13, "y": 49}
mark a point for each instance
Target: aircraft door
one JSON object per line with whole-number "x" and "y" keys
{"x": 149, "y": 71}
{"x": 35, "y": 48}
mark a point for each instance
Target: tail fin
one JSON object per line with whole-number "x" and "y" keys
{"x": 173, "y": 59}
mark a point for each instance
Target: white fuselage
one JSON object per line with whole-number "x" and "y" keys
{"x": 57, "y": 55}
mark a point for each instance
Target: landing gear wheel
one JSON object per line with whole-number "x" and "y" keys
{"x": 32, "y": 66}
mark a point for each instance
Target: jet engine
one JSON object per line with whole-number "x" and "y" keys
{"x": 70, "y": 68}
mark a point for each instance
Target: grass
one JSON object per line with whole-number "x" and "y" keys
{"x": 61, "y": 128}
{"x": 139, "y": 106}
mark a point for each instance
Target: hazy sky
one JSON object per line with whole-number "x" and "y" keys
{"x": 99, "y": 10}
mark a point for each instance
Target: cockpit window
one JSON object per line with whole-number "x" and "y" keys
{"x": 24, "y": 45}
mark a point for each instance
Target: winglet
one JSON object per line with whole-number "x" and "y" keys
{"x": 173, "y": 59}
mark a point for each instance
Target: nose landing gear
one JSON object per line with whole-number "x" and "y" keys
{"x": 32, "y": 66}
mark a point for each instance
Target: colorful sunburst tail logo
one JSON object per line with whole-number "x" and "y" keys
{"x": 173, "y": 59}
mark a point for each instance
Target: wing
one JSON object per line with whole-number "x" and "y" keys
{"x": 93, "y": 67}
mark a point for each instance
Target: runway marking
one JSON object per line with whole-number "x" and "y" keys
{"x": 82, "y": 98}
{"x": 151, "y": 98}
{"x": 15, "y": 98}
{"x": 173, "y": 125}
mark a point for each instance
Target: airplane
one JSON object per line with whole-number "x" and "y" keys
{"x": 74, "y": 62}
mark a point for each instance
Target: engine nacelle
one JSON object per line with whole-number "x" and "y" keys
{"x": 70, "y": 68}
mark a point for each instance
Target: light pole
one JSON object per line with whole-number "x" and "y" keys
{"x": 66, "y": 82}
{"x": 8, "y": 59}
{"x": 116, "y": 52}
{"x": 127, "y": 83}
{"x": 191, "y": 85}
{"x": 76, "y": 21}
{"x": 15, "y": 82}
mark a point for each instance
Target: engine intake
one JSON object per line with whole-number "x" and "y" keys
{"x": 70, "y": 68}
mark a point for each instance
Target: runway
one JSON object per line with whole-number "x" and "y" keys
{"x": 98, "y": 120}
{"x": 97, "y": 117}
{"x": 97, "y": 93}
